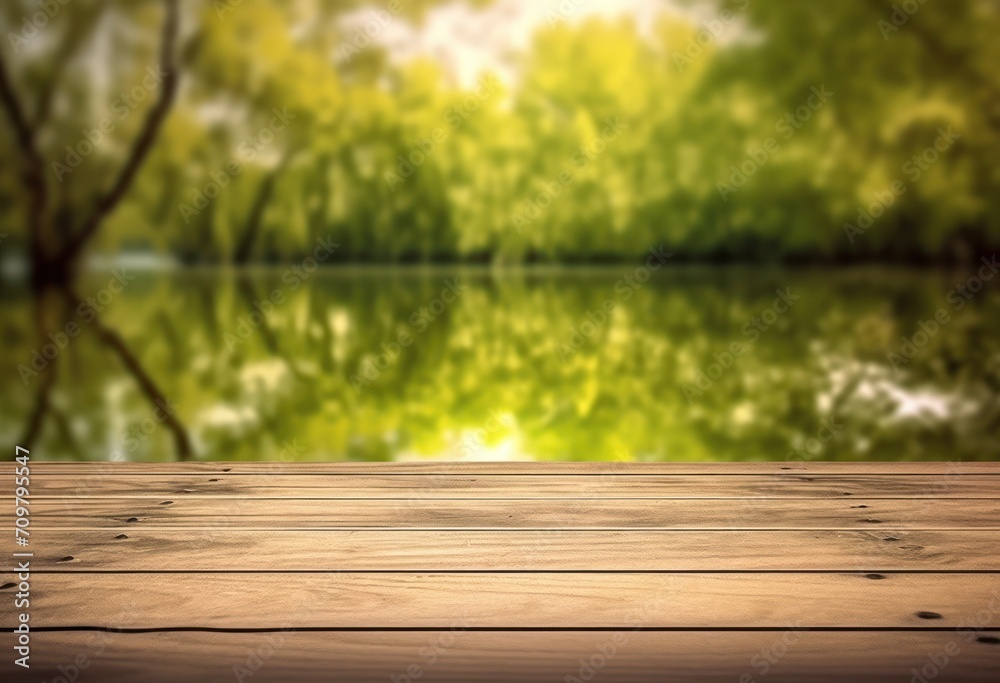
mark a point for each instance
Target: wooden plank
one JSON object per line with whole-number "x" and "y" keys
{"x": 189, "y": 512}
{"x": 780, "y": 467}
{"x": 419, "y": 486}
{"x": 477, "y": 554}
{"x": 456, "y": 656}
{"x": 512, "y": 550}
{"x": 559, "y": 601}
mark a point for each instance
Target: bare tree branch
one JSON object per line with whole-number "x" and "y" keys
{"x": 62, "y": 423}
{"x": 245, "y": 247}
{"x": 49, "y": 315}
{"x": 23, "y": 132}
{"x": 182, "y": 441}
{"x": 33, "y": 176}
{"x": 143, "y": 143}
{"x": 64, "y": 53}
{"x": 250, "y": 294}
{"x": 42, "y": 405}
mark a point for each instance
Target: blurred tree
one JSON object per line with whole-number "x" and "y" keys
{"x": 297, "y": 121}
{"x": 59, "y": 229}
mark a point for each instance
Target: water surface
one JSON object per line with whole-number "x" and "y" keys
{"x": 529, "y": 365}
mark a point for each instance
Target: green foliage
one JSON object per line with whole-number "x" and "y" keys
{"x": 517, "y": 175}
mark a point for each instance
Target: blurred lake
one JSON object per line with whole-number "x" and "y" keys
{"x": 519, "y": 364}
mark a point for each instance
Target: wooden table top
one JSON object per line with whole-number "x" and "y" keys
{"x": 618, "y": 572}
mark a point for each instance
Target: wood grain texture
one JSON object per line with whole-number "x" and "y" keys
{"x": 511, "y": 601}
{"x": 497, "y": 486}
{"x": 270, "y": 513}
{"x": 356, "y": 572}
{"x": 513, "y": 550}
{"x": 786, "y": 656}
